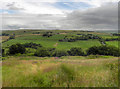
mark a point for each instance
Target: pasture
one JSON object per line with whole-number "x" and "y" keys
{"x": 27, "y": 36}
{"x": 52, "y": 42}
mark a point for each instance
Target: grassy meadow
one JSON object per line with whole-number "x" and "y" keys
{"x": 27, "y": 70}
{"x": 63, "y": 72}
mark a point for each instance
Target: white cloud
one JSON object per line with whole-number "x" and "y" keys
{"x": 45, "y": 15}
{"x": 94, "y": 3}
{"x": 100, "y": 18}
{"x": 31, "y": 7}
{"x": 31, "y": 21}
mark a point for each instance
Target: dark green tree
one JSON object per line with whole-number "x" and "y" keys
{"x": 42, "y": 52}
{"x": 3, "y": 52}
{"x": 104, "y": 50}
{"x": 17, "y": 48}
{"x": 59, "y": 53}
{"x": 76, "y": 51}
{"x": 93, "y": 50}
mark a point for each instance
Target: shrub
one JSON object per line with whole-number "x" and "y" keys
{"x": 47, "y": 34}
{"x": 51, "y": 52}
{"x": 36, "y": 33}
{"x": 42, "y": 52}
{"x": 17, "y": 48}
{"x": 3, "y": 52}
{"x": 59, "y": 53}
{"x": 5, "y": 34}
{"x": 93, "y": 50}
{"x": 76, "y": 52}
{"x": 104, "y": 50}
{"x": 32, "y": 45}
{"x": 12, "y": 37}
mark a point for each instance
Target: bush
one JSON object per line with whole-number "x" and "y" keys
{"x": 59, "y": 53}
{"x": 17, "y": 48}
{"x": 104, "y": 50}
{"x": 3, "y": 52}
{"x": 76, "y": 52}
{"x": 42, "y": 52}
{"x": 5, "y": 34}
{"x": 12, "y": 37}
{"x": 93, "y": 50}
{"x": 47, "y": 34}
{"x": 32, "y": 45}
{"x": 51, "y": 52}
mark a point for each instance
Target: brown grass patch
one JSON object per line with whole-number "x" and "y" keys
{"x": 88, "y": 62}
{"x": 63, "y": 33}
{"x": 26, "y": 35}
{"x": 56, "y": 45}
{"x": 4, "y": 38}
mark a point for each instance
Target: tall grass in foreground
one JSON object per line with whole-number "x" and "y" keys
{"x": 62, "y": 73}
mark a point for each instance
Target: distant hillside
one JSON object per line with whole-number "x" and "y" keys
{"x": 109, "y": 31}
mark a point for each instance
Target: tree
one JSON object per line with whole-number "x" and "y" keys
{"x": 3, "y": 52}
{"x": 93, "y": 50}
{"x": 42, "y": 52}
{"x": 47, "y": 34}
{"x": 32, "y": 45}
{"x": 17, "y": 48}
{"x": 75, "y": 51}
{"x": 104, "y": 50}
{"x": 5, "y": 34}
{"x": 59, "y": 53}
{"x": 12, "y": 37}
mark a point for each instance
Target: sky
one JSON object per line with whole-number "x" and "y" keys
{"x": 59, "y": 14}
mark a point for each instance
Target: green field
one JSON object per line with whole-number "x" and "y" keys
{"x": 113, "y": 43}
{"x": 25, "y": 37}
{"x": 52, "y": 41}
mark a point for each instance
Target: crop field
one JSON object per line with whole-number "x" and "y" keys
{"x": 76, "y": 68}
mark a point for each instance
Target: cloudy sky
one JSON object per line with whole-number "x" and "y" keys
{"x": 59, "y": 14}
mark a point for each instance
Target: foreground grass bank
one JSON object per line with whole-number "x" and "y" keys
{"x": 91, "y": 71}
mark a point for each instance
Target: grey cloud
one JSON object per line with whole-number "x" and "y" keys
{"x": 17, "y": 21}
{"x": 101, "y": 18}
{"x": 12, "y": 6}
{"x": 104, "y": 17}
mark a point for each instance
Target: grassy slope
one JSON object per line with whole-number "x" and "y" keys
{"x": 27, "y": 36}
{"x": 66, "y": 71}
{"x": 113, "y": 43}
{"x": 52, "y": 41}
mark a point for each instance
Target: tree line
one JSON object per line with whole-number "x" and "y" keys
{"x": 52, "y": 52}
{"x": 81, "y": 37}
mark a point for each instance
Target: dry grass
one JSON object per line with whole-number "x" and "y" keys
{"x": 4, "y": 38}
{"x": 27, "y": 35}
{"x": 55, "y": 44}
{"x": 88, "y": 72}
{"x": 63, "y": 33}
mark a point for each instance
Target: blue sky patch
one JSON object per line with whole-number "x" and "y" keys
{"x": 71, "y": 5}
{"x": 8, "y": 11}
